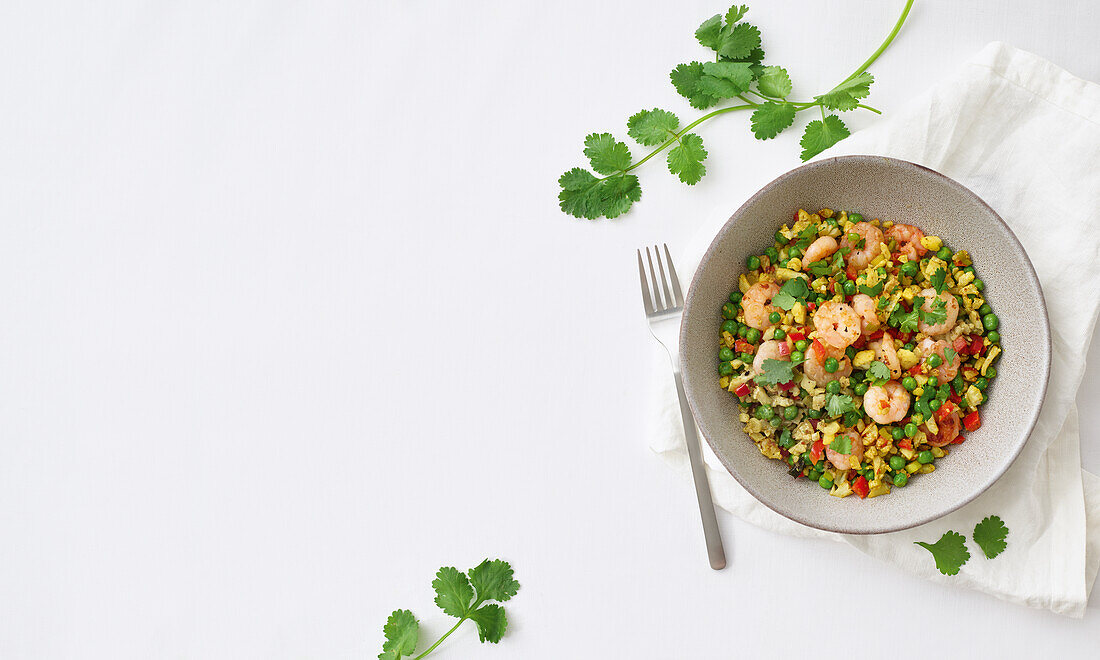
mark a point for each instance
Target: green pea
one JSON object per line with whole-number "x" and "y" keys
{"x": 725, "y": 354}
{"x": 855, "y": 217}
{"x": 909, "y": 269}
{"x": 775, "y": 317}
{"x": 813, "y": 475}
{"x": 979, "y": 285}
{"x": 897, "y": 462}
{"x": 934, "y": 360}
{"x": 853, "y": 237}
{"x": 795, "y": 253}
{"x": 944, "y": 253}
{"x": 775, "y": 422}
{"x": 791, "y": 460}
{"x": 982, "y": 383}
{"x": 813, "y": 413}
{"x": 765, "y": 412}
{"x": 790, "y": 412}
{"x": 897, "y": 433}
{"x": 825, "y": 482}
{"x": 993, "y": 336}
{"x": 725, "y": 368}
{"x": 779, "y": 237}
{"x": 990, "y": 321}
{"x": 831, "y": 365}
{"x": 985, "y": 309}
{"x": 779, "y": 333}
{"x": 729, "y": 311}
{"x": 745, "y": 357}
{"x": 990, "y": 373}
{"x": 934, "y": 405}
{"x": 753, "y": 335}
{"x": 797, "y": 356}
{"x": 730, "y": 326}
{"x": 925, "y": 457}
{"x": 909, "y": 347}
{"x": 849, "y": 288}
{"x": 833, "y": 387}
{"x": 753, "y": 262}
{"x": 910, "y": 430}
{"x": 859, "y": 388}
{"x": 959, "y": 384}
{"x": 901, "y": 478}
{"x": 743, "y": 331}
{"x": 802, "y": 344}
{"x": 909, "y": 383}
{"x": 850, "y": 352}
{"x": 831, "y": 223}
{"x": 868, "y": 474}
{"x": 772, "y": 254}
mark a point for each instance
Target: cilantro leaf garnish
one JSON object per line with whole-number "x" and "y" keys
{"x": 776, "y": 372}
{"x": 821, "y": 134}
{"x": 825, "y": 267}
{"x": 990, "y": 535}
{"x": 838, "y": 404}
{"x": 461, "y": 597}
{"x": 842, "y": 444}
{"x": 903, "y": 320}
{"x": 794, "y": 290}
{"x": 871, "y": 290}
{"x": 651, "y": 127}
{"x": 879, "y": 372}
{"x": 686, "y": 159}
{"x": 949, "y": 355}
{"x": 732, "y": 75}
{"x": 937, "y": 279}
{"x": 936, "y": 315}
{"x": 949, "y": 552}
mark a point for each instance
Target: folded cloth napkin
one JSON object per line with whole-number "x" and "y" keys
{"x": 1025, "y": 136}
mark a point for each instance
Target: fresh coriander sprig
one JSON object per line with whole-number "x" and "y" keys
{"x": 736, "y": 75}
{"x": 459, "y": 596}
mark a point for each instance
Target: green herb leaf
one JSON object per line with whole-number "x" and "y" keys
{"x": 453, "y": 591}
{"x": 879, "y": 372}
{"x": 939, "y": 276}
{"x": 936, "y": 315}
{"x": 685, "y": 78}
{"x": 725, "y": 80}
{"x": 871, "y": 290}
{"x": 949, "y": 552}
{"x": 776, "y": 372}
{"x": 846, "y": 95}
{"x": 792, "y": 291}
{"x": 842, "y": 444}
{"x": 606, "y": 154}
{"x": 949, "y": 355}
{"x": 838, "y": 404}
{"x": 402, "y": 631}
{"x": 820, "y": 135}
{"x": 491, "y": 622}
{"x": 709, "y": 32}
{"x": 738, "y": 41}
{"x": 774, "y": 81}
{"x": 686, "y": 159}
{"x": 736, "y": 13}
{"x": 584, "y": 196}
{"x": 990, "y": 535}
{"x": 652, "y": 127}
{"x": 771, "y": 119}
{"x": 903, "y": 320}
{"x": 493, "y": 580}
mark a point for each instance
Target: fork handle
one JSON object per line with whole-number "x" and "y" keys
{"x": 711, "y": 532}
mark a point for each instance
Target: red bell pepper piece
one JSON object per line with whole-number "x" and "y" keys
{"x": 742, "y": 390}
{"x": 973, "y": 421}
{"x": 860, "y": 487}
{"x": 961, "y": 345}
{"x": 819, "y": 348}
{"x": 958, "y": 440}
{"x": 976, "y": 345}
{"x": 852, "y": 273}
{"x": 796, "y": 335}
{"x": 905, "y": 444}
{"x": 742, "y": 346}
{"x": 784, "y": 349}
{"x": 904, "y": 337}
{"x": 817, "y": 450}
{"x": 945, "y": 411}
{"x": 787, "y": 386}
{"x": 877, "y": 334}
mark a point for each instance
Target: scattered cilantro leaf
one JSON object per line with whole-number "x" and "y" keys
{"x": 776, "y": 372}
{"x": 949, "y": 552}
{"x": 774, "y": 81}
{"x": 606, "y": 154}
{"x": 402, "y": 631}
{"x": 686, "y": 159}
{"x": 937, "y": 279}
{"x": 936, "y": 315}
{"x": 584, "y": 196}
{"x": 709, "y": 32}
{"x": 738, "y": 40}
{"x": 736, "y": 13}
{"x": 871, "y": 290}
{"x": 879, "y": 371}
{"x": 822, "y": 134}
{"x": 838, "y": 404}
{"x": 903, "y": 320}
{"x": 949, "y": 355}
{"x": 771, "y": 119}
{"x": 725, "y": 80}
{"x": 652, "y": 127}
{"x": 842, "y": 444}
{"x": 453, "y": 591}
{"x": 491, "y": 622}
{"x": 846, "y": 95}
{"x": 493, "y": 580}
{"x": 794, "y": 290}
{"x": 990, "y": 535}
{"x": 685, "y": 78}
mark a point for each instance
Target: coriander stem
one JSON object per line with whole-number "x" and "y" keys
{"x": 447, "y": 634}
{"x": 678, "y": 135}
{"x": 889, "y": 38}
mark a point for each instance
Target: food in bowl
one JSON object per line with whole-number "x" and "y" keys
{"x": 859, "y": 350}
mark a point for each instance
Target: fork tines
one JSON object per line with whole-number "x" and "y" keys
{"x": 651, "y": 290}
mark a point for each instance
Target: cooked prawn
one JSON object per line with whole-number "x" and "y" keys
{"x": 849, "y": 460}
{"x": 951, "y": 308}
{"x": 757, "y": 304}
{"x": 887, "y": 353}
{"x": 908, "y": 238}
{"x": 871, "y": 237}
{"x": 868, "y": 314}
{"x": 837, "y": 324}
{"x": 948, "y": 430}
{"x": 886, "y": 403}
{"x": 822, "y": 248}
{"x": 814, "y": 366}
{"x": 947, "y": 369}
{"x": 771, "y": 350}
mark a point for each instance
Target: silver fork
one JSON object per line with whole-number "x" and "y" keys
{"x": 664, "y": 322}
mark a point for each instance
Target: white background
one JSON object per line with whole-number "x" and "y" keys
{"x": 291, "y": 319}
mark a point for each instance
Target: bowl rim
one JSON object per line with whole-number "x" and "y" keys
{"x": 1029, "y": 273}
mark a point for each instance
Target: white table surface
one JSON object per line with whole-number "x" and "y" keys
{"x": 292, "y": 319}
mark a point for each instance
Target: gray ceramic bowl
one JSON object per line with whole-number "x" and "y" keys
{"x": 900, "y": 191}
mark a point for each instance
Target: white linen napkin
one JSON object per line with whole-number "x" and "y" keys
{"x": 1025, "y": 136}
